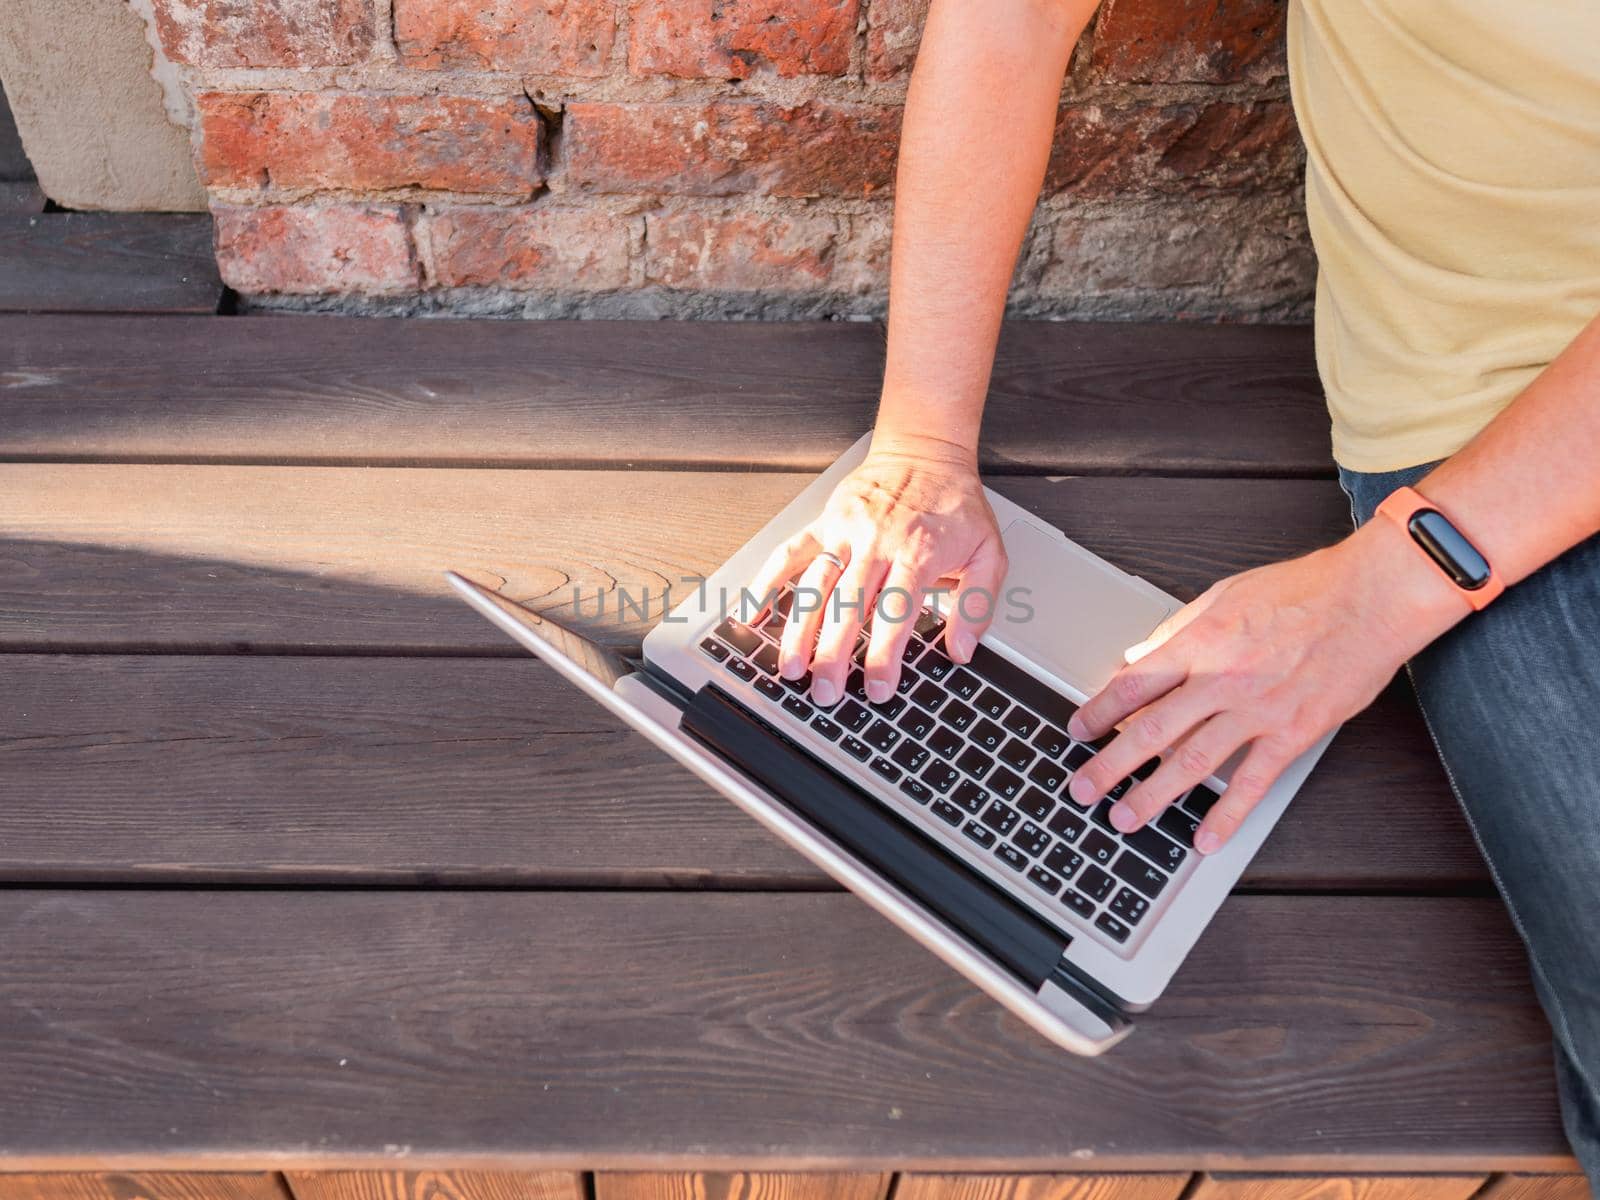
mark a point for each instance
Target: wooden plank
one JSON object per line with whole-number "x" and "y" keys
{"x": 1041, "y": 1187}
{"x": 739, "y": 1185}
{"x": 1096, "y": 398}
{"x": 1537, "y": 1187}
{"x": 108, "y": 262}
{"x": 1316, "y": 1187}
{"x": 345, "y": 559}
{"x": 316, "y": 770}
{"x": 143, "y": 1185}
{"x": 436, "y": 1185}
{"x": 737, "y": 1031}
{"x": 23, "y": 197}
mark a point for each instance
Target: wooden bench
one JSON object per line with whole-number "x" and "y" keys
{"x": 303, "y": 868}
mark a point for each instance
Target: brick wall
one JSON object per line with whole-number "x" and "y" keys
{"x": 712, "y": 157}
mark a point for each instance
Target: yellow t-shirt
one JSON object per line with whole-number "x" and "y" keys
{"x": 1453, "y": 191}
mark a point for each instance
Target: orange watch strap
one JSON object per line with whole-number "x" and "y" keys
{"x": 1404, "y": 503}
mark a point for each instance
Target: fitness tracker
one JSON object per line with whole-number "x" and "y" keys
{"x": 1446, "y": 546}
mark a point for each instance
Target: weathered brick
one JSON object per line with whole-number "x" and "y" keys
{"x": 265, "y": 33}
{"x": 561, "y": 37}
{"x": 894, "y": 28}
{"x": 730, "y": 147}
{"x": 1189, "y": 41}
{"x": 1101, "y": 151}
{"x": 727, "y": 39}
{"x": 310, "y": 250}
{"x": 295, "y": 141}
{"x": 528, "y": 248}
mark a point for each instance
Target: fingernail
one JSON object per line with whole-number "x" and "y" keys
{"x": 1081, "y": 790}
{"x": 791, "y": 668}
{"x": 1207, "y": 842}
{"x": 1075, "y": 728}
{"x": 879, "y": 690}
{"x": 963, "y": 646}
{"x": 1124, "y": 818}
{"x": 823, "y": 692}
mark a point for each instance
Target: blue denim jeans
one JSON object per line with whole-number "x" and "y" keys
{"x": 1512, "y": 698}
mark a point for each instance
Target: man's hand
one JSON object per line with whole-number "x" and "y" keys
{"x": 908, "y": 516}
{"x": 1273, "y": 658}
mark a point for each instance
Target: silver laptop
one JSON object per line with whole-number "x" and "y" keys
{"x": 944, "y": 808}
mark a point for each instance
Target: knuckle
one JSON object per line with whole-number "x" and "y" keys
{"x": 1194, "y": 761}
{"x": 1127, "y": 688}
{"x": 1150, "y": 728}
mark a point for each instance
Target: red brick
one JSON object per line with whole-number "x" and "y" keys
{"x": 560, "y": 37}
{"x": 727, "y": 39}
{"x": 309, "y": 250}
{"x": 1189, "y": 41}
{"x": 894, "y": 27}
{"x": 528, "y": 248}
{"x": 320, "y": 140}
{"x": 265, "y": 33}
{"x": 1101, "y": 151}
{"x": 794, "y": 253}
{"x": 732, "y": 147}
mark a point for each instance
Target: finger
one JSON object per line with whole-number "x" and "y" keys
{"x": 1190, "y": 762}
{"x": 845, "y": 613}
{"x": 782, "y": 565}
{"x": 894, "y": 616}
{"x": 811, "y": 594}
{"x": 1164, "y": 632}
{"x": 1266, "y": 760}
{"x": 1125, "y": 693}
{"x": 976, "y": 598}
{"x": 1148, "y": 732}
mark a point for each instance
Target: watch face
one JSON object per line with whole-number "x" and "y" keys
{"x": 1457, "y": 557}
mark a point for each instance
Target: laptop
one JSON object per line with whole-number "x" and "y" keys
{"x": 945, "y": 807}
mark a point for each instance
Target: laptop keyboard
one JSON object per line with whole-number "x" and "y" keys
{"x": 983, "y": 749}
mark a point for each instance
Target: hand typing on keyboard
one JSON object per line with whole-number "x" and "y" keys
{"x": 911, "y": 514}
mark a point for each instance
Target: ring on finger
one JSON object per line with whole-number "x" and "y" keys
{"x": 831, "y": 557}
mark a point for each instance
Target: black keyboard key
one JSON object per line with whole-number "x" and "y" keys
{"x": 766, "y": 658}
{"x": 714, "y": 648}
{"x": 1129, "y": 906}
{"x": 992, "y": 702}
{"x": 1096, "y": 884}
{"x": 1111, "y": 927}
{"x": 914, "y": 647}
{"x": 882, "y": 735}
{"x": 1021, "y": 686}
{"x": 771, "y": 689}
{"x": 1063, "y": 860}
{"x": 1139, "y": 875}
{"x": 885, "y": 768}
{"x": 741, "y": 637}
{"x": 944, "y": 743}
{"x": 941, "y": 777}
{"x": 964, "y": 683}
{"x": 852, "y": 716}
{"x": 910, "y": 756}
{"x": 1000, "y": 818}
{"x": 1043, "y": 880}
{"x": 1078, "y": 903}
{"x": 1031, "y": 840}
{"x": 1051, "y": 741}
{"x": 800, "y": 686}
{"x": 1101, "y": 816}
{"x": 978, "y": 833}
{"x": 828, "y": 729}
{"x": 772, "y": 627}
{"x": 1020, "y": 721}
{"x": 892, "y": 707}
{"x": 856, "y": 748}
{"x": 907, "y": 681}
{"x": 948, "y": 813}
{"x": 975, "y": 762}
{"x": 855, "y": 684}
{"x": 935, "y": 665}
{"x": 1178, "y": 825}
{"x": 1162, "y": 851}
{"x": 1200, "y": 800}
{"x": 929, "y": 625}
{"x": 737, "y": 666}
{"x": 971, "y": 797}
{"x": 1099, "y": 847}
{"x": 1067, "y": 824}
{"x": 1048, "y": 775}
{"x": 1146, "y": 769}
{"x": 988, "y": 735}
{"x": 1005, "y": 785}
{"x": 1078, "y": 756}
{"x": 917, "y": 790}
{"x": 958, "y": 716}
{"x": 1012, "y": 857}
{"x": 1119, "y": 789}
{"x": 1017, "y": 754}
{"x": 929, "y": 695}
{"x": 784, "y": 604}
{"x": 1036, "y": 804}
{"x": 797, "y": 707}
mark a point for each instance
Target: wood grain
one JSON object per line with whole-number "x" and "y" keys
{"x": 142, "y": 1185}
{"x": 23, "y": 197}
{"x": 438, "y": 772}
{"x": 344, "y": 559}
{"x": 731, "y": 1031}
{"x": 436, "y": 1185}
{"x": 1537, "y": 1187}
{"x": 913, "y": 1186}
{"x": 108, "y": 262}
{"x": 1358, "y": 1187}
{"x": 739, "y": 396}
{"x": 739, "y": 1185}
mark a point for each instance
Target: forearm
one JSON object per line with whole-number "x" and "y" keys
{"x": 974, "y": 146}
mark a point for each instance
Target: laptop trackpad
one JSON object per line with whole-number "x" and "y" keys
{"x": 1085, "y": 612}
